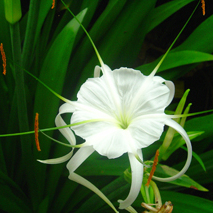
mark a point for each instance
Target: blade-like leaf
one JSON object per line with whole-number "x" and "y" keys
{"x": 187, "y": 203}
{"x": 184, "y": 180}
{"x": 12, "y": 198}
{"x": 178, "y": 141}
{"x": 159, "y": 14}
{"x": 53, "y": 74}
{"x": 176, "y": 59}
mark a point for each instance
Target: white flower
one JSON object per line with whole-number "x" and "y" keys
{"x": 126, "y": 110}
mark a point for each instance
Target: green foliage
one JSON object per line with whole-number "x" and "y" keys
{"x": 55, "y": 49}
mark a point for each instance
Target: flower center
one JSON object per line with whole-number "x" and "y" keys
{"x": 123, "y": 121}
{"x": 124, "y": 125}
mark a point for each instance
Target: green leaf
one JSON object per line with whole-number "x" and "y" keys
{"x": 199, "y": 39}
{"x": 116, "y": 189}
{"x": 159, "y": 14}
{"x": 178, "y": 141}
{"x": 197, "y": 157}
{"x": 205, "y": 124}
{"x": 176, "y": 59}
{"x": 43, "y": 207}
{"x": 195, "y": 168}
{"x": 126, "y": 26}
{"x": 98, "y": 165}
{"x": 12, "y": 198}
{"x": 53, "y": 74}
{"x": 184, "y": 180}
{"x": 67, "y": 189}
{"x": 187, "y": 203}
{"x": 44, "y": 9}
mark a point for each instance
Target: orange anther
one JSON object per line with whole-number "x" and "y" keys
{"x": 153, "y": 167}
{"x": 36, "y": 132}
{"x": 203, "y": 7}
{"x": 53, "y": 4}
{"x": 3, "y": 58}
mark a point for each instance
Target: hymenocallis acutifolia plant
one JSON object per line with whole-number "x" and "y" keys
{"x": 109, "y": 115}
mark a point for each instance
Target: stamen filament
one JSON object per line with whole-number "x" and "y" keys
{"x": 64, "y": 144}
{"x": 53, "y": 128}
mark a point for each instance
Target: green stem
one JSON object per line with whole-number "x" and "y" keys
{"x": 158, "y": 200}
{"x": 30, "y": 33}
{"x": 26, "y": 146}
{"x": 19, "y": 78}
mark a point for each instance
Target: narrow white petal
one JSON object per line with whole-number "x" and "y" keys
{"x": 79, "y": 157}
{"x": 67, "y": 133}
{"x": 137, "y": 177}
{"x": 89, "y": 185}
{"x": 57, "y": 160}
{"x": 178, "y": 128}
{"x": 131, "y": 209}
{"x": 171, "y": 87}
{"x": 97, "y": 72}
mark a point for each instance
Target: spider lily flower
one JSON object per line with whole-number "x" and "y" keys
{"x": 127, "y": 113}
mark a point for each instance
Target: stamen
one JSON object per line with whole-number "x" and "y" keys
{"x": 53, "y": 4}
{"x": 203, "y": 7}
{"x": 153, "y": 168}
{"x": 36, "y": 132}
{"x": 3, "y": 58}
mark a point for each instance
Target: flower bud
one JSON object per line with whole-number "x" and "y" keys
{"x": 12, "y": 10}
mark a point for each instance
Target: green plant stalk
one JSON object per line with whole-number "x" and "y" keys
{"x": 30, "y": 32}
{"x": 158, "y": 200}
{"x": 26, "y": 146}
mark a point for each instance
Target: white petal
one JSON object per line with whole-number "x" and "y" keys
{"x": 89, "y": 185}
{"x": 79, "y": 157}
{"x": 57, "y": 160}
{"x": 146, "y": 131}
{"x": 169, "y": 84}
{"x": 171, "y": 87}
{"x": 128, "y": 82}
{"x": 137, "y": 177}
{"x": 141, "y": 94}
{"x": 95, "y": 97}
{"x": 97, "y": 72}
{"x": 109, "y": 140}
{"x": 178, "y": 128}
{"x": 67, "y": 133}
{"x": 131, "y": 209}
{"x": 153, "y": 100}
{"x": 106, "y": 139}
